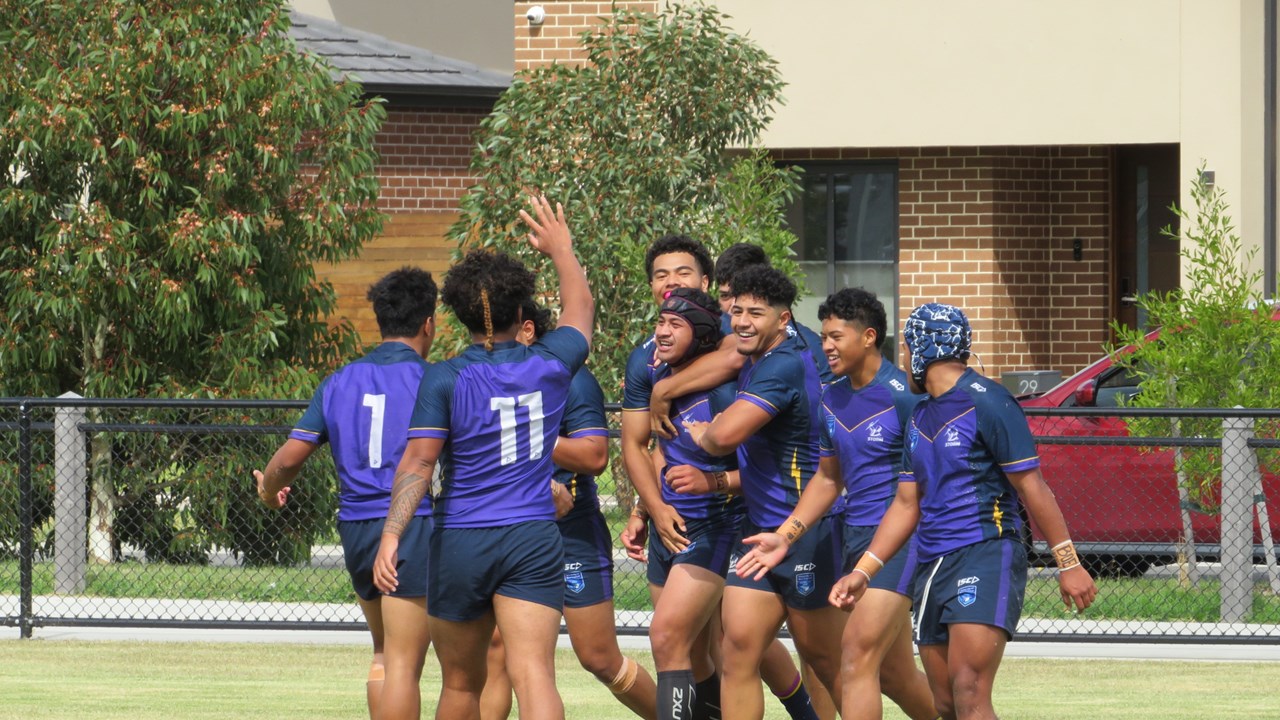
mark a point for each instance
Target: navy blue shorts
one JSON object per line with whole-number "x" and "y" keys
{"x": 897, "y": 575}
{"x": 468, "y": 566}
{"x": 588, "y": 560}
{"x": 981, "y": 583}
{"x": 711, "y": 542}
{"x": 360, "y": 541}
{"x": 804, "y": 578}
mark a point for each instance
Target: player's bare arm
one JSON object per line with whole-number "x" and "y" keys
{"x": 730, "y": 429}
{"x": 276, "y": 481}
{"x": 818, "y": 497}
{"x": 689, "y": 480}
{"x": 1074, "y": 582}
{"x": 644, "y": 477}
{"x": 583, "y": 455}
{"x": 895, "y": 530}
{"x": 412, "y": 482}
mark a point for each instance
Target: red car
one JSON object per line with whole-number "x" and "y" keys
{"x": 1120, "y": 502}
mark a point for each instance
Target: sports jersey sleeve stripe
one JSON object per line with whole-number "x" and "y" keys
{"x": 429, "y": 432}
{"x": 1023, "y": 464}
{"x": 305, "y": 435}
{"x": 758, "y": 402}
{"x": 589, "y": 432}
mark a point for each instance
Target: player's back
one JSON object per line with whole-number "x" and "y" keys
{"x": 363, "y": 412}
{"x": 500, "y": 411}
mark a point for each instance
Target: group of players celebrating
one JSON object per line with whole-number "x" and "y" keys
{"x": 781, "y": 476}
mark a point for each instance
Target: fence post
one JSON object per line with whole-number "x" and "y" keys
{"x": 26, "y": 533}
{"x": 71, "y": 523}
{"x": 1236, "y": 579}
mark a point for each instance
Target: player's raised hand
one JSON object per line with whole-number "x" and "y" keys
{"x": 385, "y": 577}
{"x": 549, "y": 230}
{"x": 768, "y": 551}
{"x": 848, "y": 590}
{"x": 275, "y": 501}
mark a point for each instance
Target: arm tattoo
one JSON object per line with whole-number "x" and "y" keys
{"x": 406, "y": 496}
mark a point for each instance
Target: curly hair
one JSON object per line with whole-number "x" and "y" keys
{"x": 765, "y": 283}
{"x": 859, "y": 306}
{"x": 677, "y": 244}
{"x": 402, "y": 301}
{"x": 486, "y": 291}
{"x": 541, "y": 317}
{"x": 736, "y": 258}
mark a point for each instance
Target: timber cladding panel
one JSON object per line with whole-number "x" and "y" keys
{"x": 407, "y": 239}
{"x": 423, "y": 171}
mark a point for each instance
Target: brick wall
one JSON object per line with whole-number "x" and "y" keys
{"x": 423, "y": 170}
{"x": 991, "y": 229}
{"x": 556, "y": 40}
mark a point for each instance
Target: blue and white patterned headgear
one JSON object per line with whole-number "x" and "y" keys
{"x": 934, "y": 332}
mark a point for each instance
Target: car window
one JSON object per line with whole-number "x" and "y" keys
{"x": 1116, "y": 387}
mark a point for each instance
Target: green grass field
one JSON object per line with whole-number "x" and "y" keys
{"x": 44, "y": 680}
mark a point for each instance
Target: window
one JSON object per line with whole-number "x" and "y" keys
{"x": 846, "y": 219}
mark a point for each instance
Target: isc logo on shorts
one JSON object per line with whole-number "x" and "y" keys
{"x": 967, "y": 590}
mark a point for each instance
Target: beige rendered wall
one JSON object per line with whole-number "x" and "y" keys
{"x": 868, "y": 73}
{"x": 977, "y": 72}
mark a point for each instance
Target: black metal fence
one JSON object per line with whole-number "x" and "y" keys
{"x": 143, "y": 512}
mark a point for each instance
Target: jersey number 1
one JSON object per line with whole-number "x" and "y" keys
{"x": 506, "y": 407}
{"x": 378, "y": 404}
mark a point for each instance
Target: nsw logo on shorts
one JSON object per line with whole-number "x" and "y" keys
{"x": 805, "y": 583}
{"x": 575, "y": 582}
{"x": 967, "y": 592}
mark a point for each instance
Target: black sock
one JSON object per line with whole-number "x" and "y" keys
{"x": 706, "y": 704}
{"x": 797, "y": 703}
{"x": 675, "y": 695}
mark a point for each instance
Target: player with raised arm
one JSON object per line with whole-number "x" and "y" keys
{"x": 494, "y": 413}
{"x": 581, "y": 453}
{"x": 969, "y": 461}
{"x": 772, "y": 428}
{"x": 363, "y": 412}
{"x": 865, "y": 412}
{"x": 671, "y": 262}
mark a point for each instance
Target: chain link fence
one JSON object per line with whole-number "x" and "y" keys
{"x": 133, "y": 512}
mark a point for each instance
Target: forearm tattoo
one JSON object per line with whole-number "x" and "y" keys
{"x": 792, "y": 529}
{"x": 406, "y": 496}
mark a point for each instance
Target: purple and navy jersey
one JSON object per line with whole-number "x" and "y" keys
{"x": 808, "y": 339}
{"x": 363, "y": 412}
{"x": 583, "y": 417}
{"x": 775, "y": 463}
{"x": 864, "y": 428}
{"x": 959, "y": 448}
{"x": 680, "y": 450}
{"x": 500, "y": 414}
{"x": 638, "y": 381}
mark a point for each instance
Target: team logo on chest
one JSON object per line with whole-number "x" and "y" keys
{"x": 967, "y": 591}
{"x": 952, "y": 437}
{"x": 875, "y": 433}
